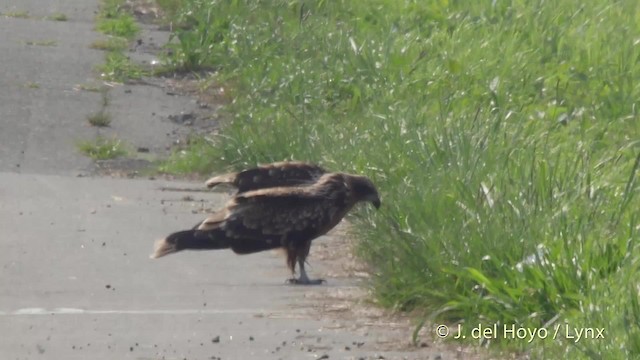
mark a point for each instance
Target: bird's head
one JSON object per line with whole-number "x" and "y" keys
{"x": 364, "y": 190}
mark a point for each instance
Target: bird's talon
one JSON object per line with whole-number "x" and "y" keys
{"x": 295, "y": 281}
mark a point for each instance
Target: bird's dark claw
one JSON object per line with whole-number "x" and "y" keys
{"x": 296, "y": 281}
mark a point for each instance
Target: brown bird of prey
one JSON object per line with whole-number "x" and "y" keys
{"x": 273, "y": 214}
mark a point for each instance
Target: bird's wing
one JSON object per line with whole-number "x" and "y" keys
{"x": 221, "y": 179}
{"x": 213, "y": 221}
{"x": 269, "y": 176}
{"x": 271, "y": 214}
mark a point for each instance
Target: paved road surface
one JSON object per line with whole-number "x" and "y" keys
{"x": 76, "y": 280}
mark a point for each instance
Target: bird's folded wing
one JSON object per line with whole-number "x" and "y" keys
{"x": 213, "y": 221}
{"x": 269, "y": 176}
{"x": 272, "y": 214}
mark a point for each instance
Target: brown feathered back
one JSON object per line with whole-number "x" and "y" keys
{"x": 313, "y": 209}
{"x": 279, "y": 174}
{"x": 279, "y": 210}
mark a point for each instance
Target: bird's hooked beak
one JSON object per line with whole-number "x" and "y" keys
{"x": 377, "y": 203}
{"x": 375, "y": 200}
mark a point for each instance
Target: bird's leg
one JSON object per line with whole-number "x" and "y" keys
{"x": 303, "y": 279}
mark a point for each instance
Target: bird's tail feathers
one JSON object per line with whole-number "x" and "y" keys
{"x": 162, "y": 247}
{"x": 190, "y": 239}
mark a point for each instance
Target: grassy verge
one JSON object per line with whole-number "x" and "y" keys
{"x": 503, "y": 135}
{"x": 113, "y": 20}
{"x": 120, "y": 27}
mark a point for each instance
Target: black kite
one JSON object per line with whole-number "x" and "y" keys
{"x": 287, "y": 217}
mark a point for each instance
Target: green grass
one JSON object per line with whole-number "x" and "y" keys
{"x": 17, "y": 14}
{"x": 110, "y": 44}
{"x": 495, "y": 130}
{"x": 118, "y": 67}
{"x": 170, "y": 7}
{"x": 41, "y": 43}
{"x": 124, "y": 26}
{"x": 196, "y": 158}
{"x": 101, "y": 148}
{"x": 58, "y": 17}
{"x": 113, "y": 20}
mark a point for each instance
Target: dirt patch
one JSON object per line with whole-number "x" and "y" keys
{"x": 208, "y": 93}
{"x": 336, "y": 253}
{"x": 156, "y": 114}
{"x": 204, "y": 117}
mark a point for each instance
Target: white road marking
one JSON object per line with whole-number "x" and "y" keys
{"x": 75, "y": 311}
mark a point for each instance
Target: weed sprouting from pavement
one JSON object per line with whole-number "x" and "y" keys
{"x": 119, "y": 67}
{"x": 101, "y": 148}
{"x": 17, "y": 14}
{"x": 112, "y": 43}
{"x": 41, "y": 43}
{"x": 113, "y": 20}
{"x": 100, "y": 119}
{"x": 58, "y": 17}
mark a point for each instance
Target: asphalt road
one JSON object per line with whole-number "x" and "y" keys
{"x": 76, "y": 280}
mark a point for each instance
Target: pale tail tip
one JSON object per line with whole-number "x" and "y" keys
{"x": 162, "y": 248}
